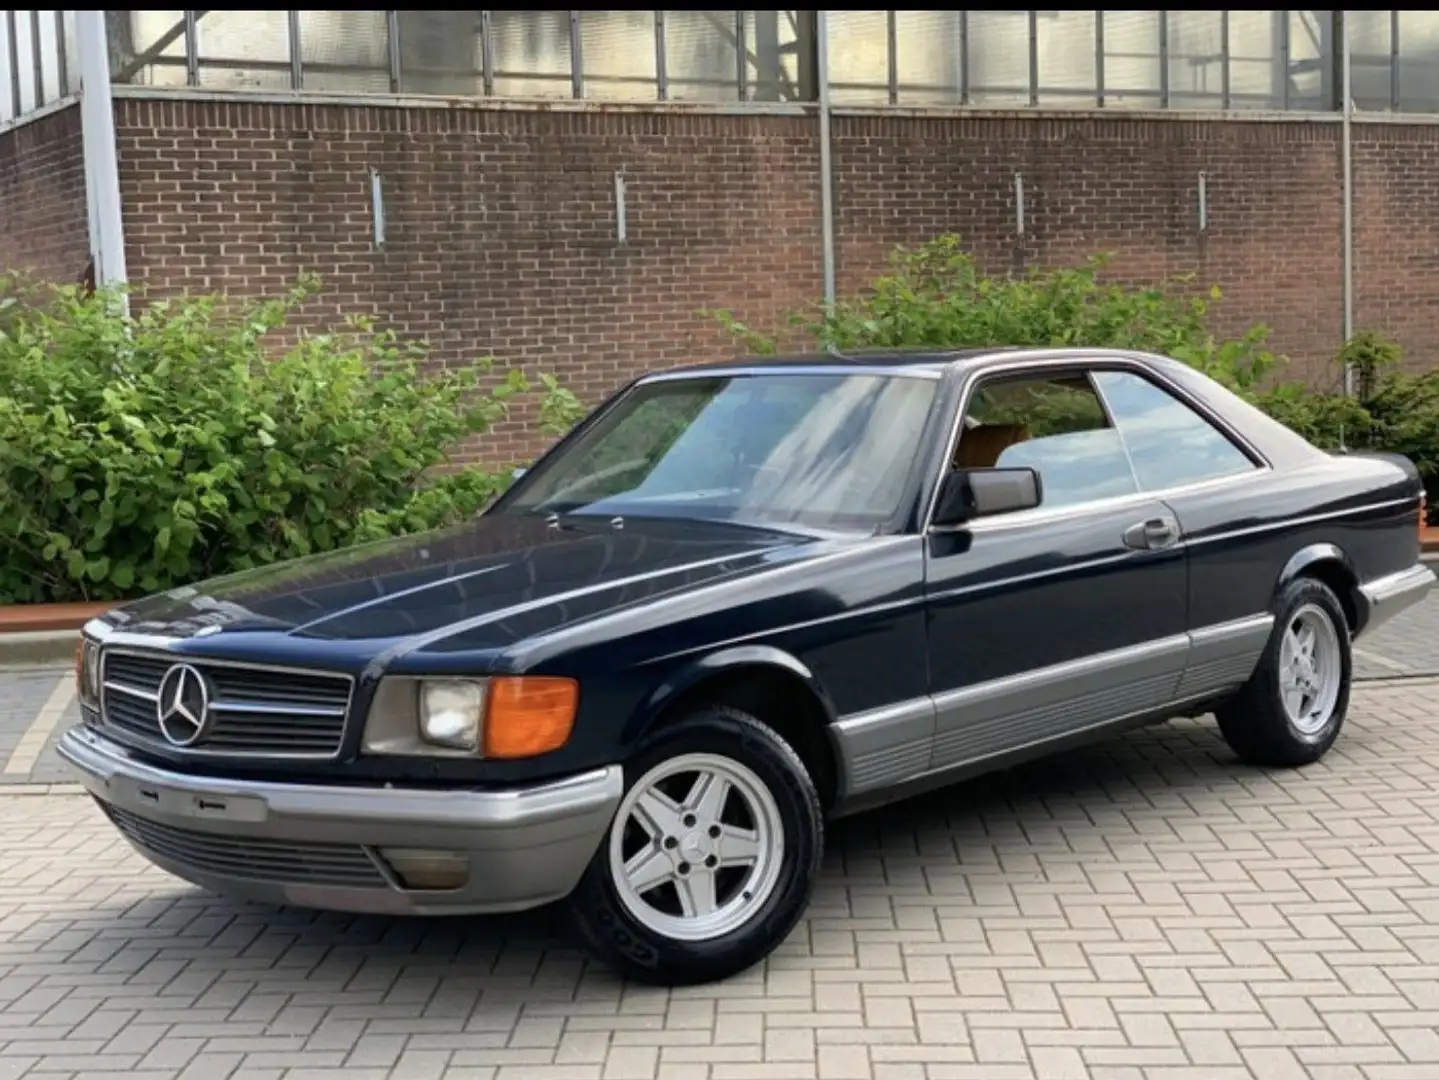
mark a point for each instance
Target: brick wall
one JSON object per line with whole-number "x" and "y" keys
{"x": 43, "y": 225}
{"x": 502, "y": 239}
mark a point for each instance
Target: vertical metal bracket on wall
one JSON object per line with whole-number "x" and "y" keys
{"x": 392, "y": 48}
{"x": 622, "y": 231}
{"x": 1019, "y": 204}
{"x": 741, "y": 55}
{"x": 1203, "y": 204}
{"x": 577, "y": 59}
{"x": 297, "y": 67}
{"x": 891, "y": 49}
{"x": 963, "y": 57}
{"x": 377, "y": 206}
{"x": 192, "y": 49}
{"x": 1099, "y": 59}
{"x": 487, "y": 54}
{"x": 1224, "y": 60}
{"x": 662, "y": 71}
{"x": 1033, "y": 57}
{"x": 63, "y": 65}
{"x": 97, "y": 139}
{"x": 14, "y": 51}
{"x": 35, "y": 57}
{"x": 1164, "y": 59}
{"x": 1394, "y": 60}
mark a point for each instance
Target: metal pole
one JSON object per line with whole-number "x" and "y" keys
{"x": 35, "y": 58}
{"x": 392, "y": 48}
{"x": 577, "y": 63}
{"x": 102, "y": 171}
{"x": 1347, "y": 68}
{"x": 297, "y": 67}
{"x": 192, "y": 50}
{"x": 826, "y": 171}
{"x": 662, "y": 71}
{"x": 60, "y": 52}
{"x": 891, "y": 49}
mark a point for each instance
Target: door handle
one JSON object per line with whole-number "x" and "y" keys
{"x": 1152, "y": 534}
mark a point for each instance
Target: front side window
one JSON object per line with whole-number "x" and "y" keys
{"x": 1169, "y": 443}
{"x": 823, "y": 450}
{"x": 1054, "y": 425}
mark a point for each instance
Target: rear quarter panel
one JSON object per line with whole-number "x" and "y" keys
{"x": 1243, "y": 536}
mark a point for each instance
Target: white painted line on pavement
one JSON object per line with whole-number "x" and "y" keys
{"x": 33, "y": 741}
{"x": 1382, "y": 661}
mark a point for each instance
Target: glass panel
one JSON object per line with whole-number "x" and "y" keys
{"x": 244, "y": 49}
{"x": 136, "y": 56}
{"x": 1419, "y": 61}
{"x": 345, "y": 51}
{"x": 1196, "y": 59}
{"x": 440, "y": 53}
{"x": 72, "y": 54}
{"x": 1066, "y": 61}
{"x": 617, "y": 52}
{"x": 1168, "y": 442}
{"x": 859, "y": 57}
{"x": 772, "y": 56}
{"x": 828, "y": 450}
{"x": 1311, "y": 60}
{"x": 1370, "y": 61}
{"x": 999, "y": 58}
{"x": 532, "y": 53}
{"x": 702, "y": 55}
{"x": 1254, "y": 60}
{"x": 927, "y": 45}
{"x": 25, "y": 61}
{"x": 7, "y": 93}
{"x": 1131, "y": 59}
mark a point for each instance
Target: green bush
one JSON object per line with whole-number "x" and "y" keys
{"x": 142, "y": 452}
{"x": 934, "y": 296}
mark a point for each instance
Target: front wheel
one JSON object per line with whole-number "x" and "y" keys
{"x": 711, "y": 857}
{"x": 1291, "y": 710}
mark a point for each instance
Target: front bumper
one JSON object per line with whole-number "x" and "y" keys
{"x": 320, "y": 847}
{"x": 1387, "y": 596}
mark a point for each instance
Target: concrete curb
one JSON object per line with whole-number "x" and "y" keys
{"x": 32, "y": 647}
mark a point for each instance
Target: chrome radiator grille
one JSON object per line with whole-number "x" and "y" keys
{"x": 251, "y": 710}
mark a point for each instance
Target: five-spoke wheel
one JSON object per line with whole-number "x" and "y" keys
{"x": 1291, "y": 709}
{"x": 711, "y": 856}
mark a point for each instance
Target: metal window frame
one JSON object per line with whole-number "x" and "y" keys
{"x": 1394, "y": 61}
{"x": 662, "y": 69}
{"x": 1099, "y": 59}
{"x": 297, "y": 67}
{"x": 13, "y": 46}
{"x": 577, "y": 59}
{"x": 63, "y": 67}
{"x": 192, "y": 49}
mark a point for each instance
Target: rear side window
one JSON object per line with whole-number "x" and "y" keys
{"x": 1170, "y": 444}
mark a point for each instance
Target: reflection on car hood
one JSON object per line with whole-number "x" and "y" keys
{"x": 505, "y": 577}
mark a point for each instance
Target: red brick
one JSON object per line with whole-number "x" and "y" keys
{"x": 43, "y": 221}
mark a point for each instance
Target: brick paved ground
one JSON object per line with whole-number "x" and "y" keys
{"x": 1142, "y": 910}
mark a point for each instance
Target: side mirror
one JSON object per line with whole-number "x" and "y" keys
{"x": 972, "y": 493}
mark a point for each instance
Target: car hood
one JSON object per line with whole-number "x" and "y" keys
{"x": 498, "y": 579}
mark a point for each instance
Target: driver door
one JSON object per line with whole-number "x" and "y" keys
{"x": 1047, "y": 622}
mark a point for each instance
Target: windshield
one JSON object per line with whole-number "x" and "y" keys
{"x": 822, "y": 450}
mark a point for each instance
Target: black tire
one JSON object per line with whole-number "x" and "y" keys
{"x": 1254, "y": 722}
{"x": 610, "y": 929}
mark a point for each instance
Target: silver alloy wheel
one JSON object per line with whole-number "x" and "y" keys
{"x": 696, "y": 847}
{"x": 1311, "y": 669}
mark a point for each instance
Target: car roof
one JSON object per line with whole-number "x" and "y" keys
{"x": 929, "y": 360}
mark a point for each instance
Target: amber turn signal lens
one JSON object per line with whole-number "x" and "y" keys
{"x": 80, "y": 667}
{"x": 528, "y": 715}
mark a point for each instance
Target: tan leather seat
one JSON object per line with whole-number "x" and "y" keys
{"x": 980, "y": 447}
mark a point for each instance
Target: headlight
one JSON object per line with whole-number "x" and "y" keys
{"x": 87, "y": 672}
{"x": 506, "y": 717}
{"x": 451, "y": 713}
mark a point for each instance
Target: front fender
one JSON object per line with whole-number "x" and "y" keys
{"x": 691, "y": 674}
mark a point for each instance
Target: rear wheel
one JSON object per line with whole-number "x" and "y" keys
{"x": 711, "y": 857}
{"x": 1293, "y": 707}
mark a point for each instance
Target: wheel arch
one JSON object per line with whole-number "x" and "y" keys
{"x": 1330, "y": 564}
{"x": 770, "y": 684}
